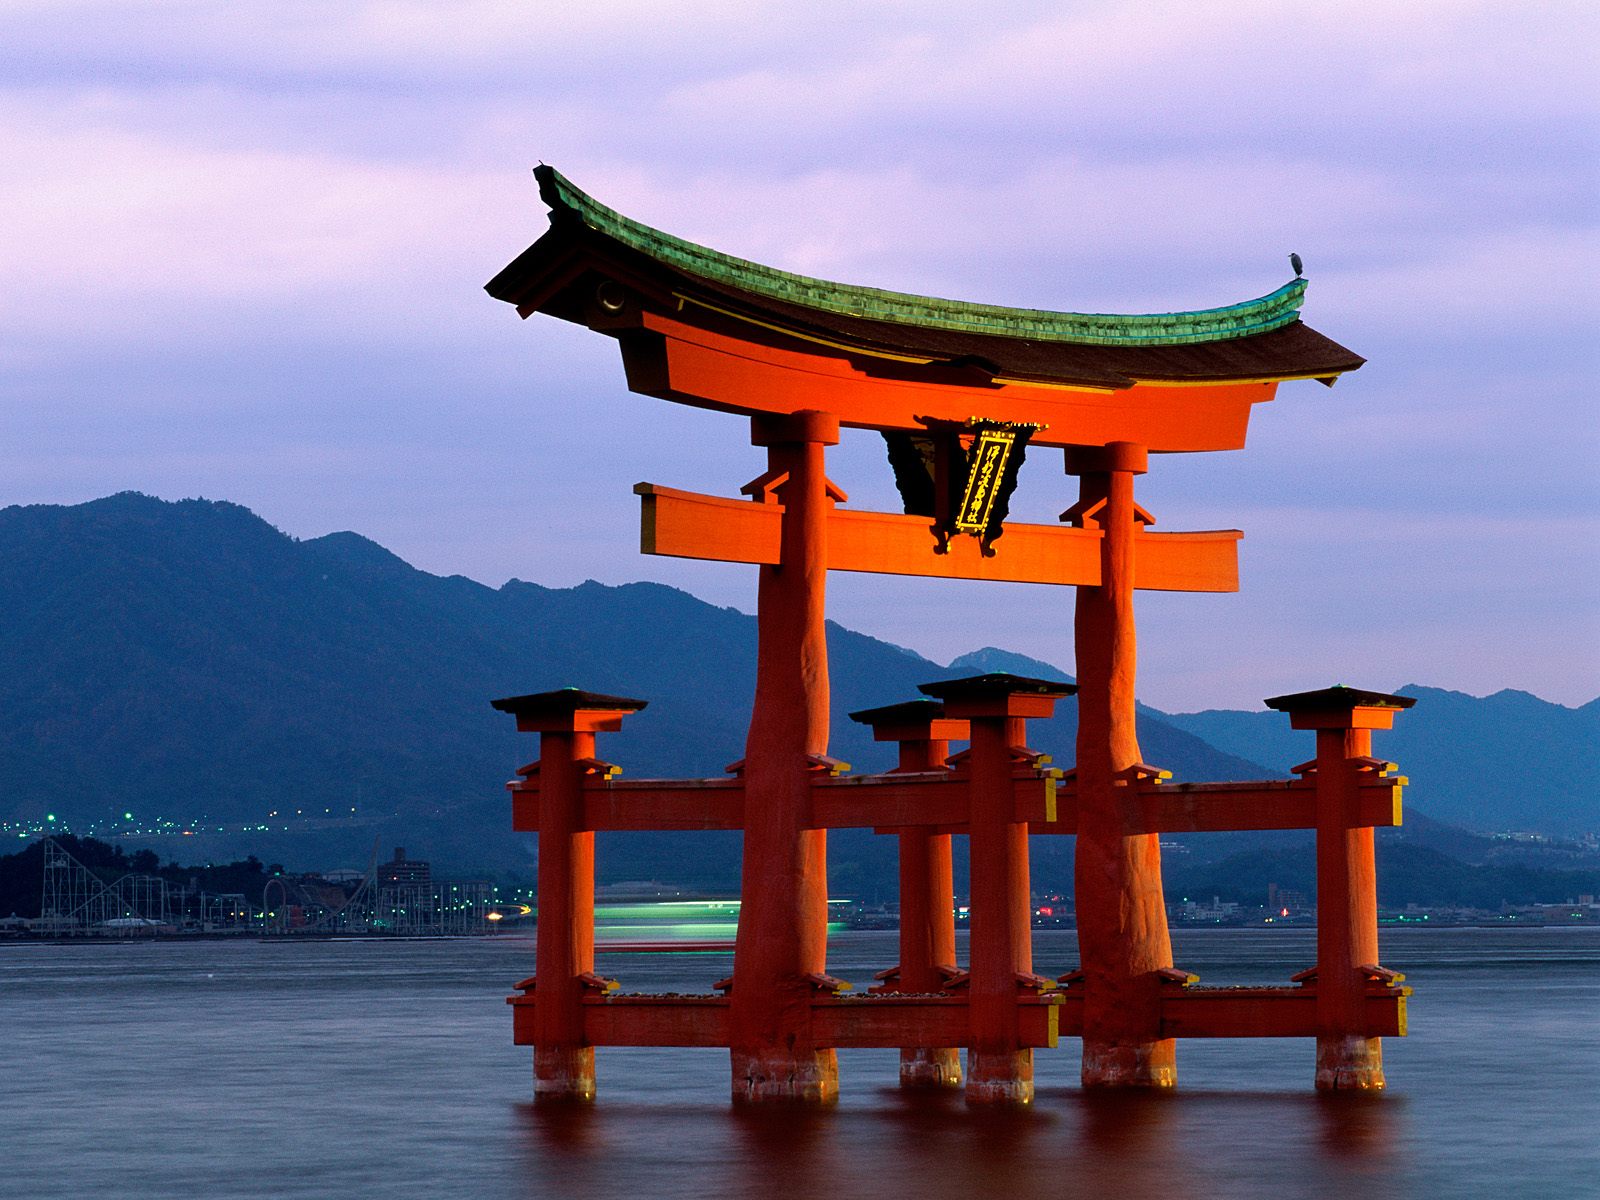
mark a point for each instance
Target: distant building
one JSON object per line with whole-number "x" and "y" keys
{"x": 1285, "y": 901}
{"x": 401, "y": 869}
{"x": 1217, "y": 910}
{"x": 1524, "y": 836}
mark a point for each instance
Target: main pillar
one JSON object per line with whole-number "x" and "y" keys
{"x": 927, "y": 889}
{"x": 1347, "y": 879}
{"x": 780, "y": 952}
{"x": 1122, "y": 919}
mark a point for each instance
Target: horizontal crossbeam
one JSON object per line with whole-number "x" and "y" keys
{"x": 692, "y": 525}
{"x": 1230, "y": 807}
{"x": 1270, "y": 1012}
{"x": 736, "y": 372}
{"x": 890, "y": 1019}
{"x": 841, "y": 1022}
{"x": 641, "y": 804}
{"x": 939, "y": 800}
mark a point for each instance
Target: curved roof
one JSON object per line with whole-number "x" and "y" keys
{"x": 1249, "y": 317}
{"x": 1254, "y": 340}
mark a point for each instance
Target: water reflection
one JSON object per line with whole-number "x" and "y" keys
{"x": 1125, "y": 1125}
{"x": 1359, "y": 1129}
{"x": 1130, "y": 1145}
{"x": 788, "y": 1137}
{"x": 561, "y": 1130}
{"x": 387, "y": 1070}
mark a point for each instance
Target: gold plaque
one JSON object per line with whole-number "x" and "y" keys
{"x": 986, "y": 468}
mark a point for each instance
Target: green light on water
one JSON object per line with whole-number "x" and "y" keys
{"x": 673, "y": 910}
{"x": 696, "y": 931}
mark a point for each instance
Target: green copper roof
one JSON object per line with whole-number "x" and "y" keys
{"x": 1246, "y": 319}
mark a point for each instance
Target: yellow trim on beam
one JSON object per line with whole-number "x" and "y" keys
{"x": 1163, "y": 383}
{"x": 1240, "y": 379}
{"x": 1050, "y": 385}
{"x": 794, "y": 333}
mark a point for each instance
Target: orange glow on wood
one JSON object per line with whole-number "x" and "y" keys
{"x": 1122, "y": 919}
{"x": 927, "y": 904}
{"x": 845, "y": 1022}
{"x": 563, "y": 1065}
{"x": 1197, "y": 1012}
{"x": 1225, "y": 807}
{"x": 938, "y": 801}
{"x": 782, "y": 939}
{"x": 692, "y": 525}
{"x": 676, "y": 361}
{"x": 661, "y": 805}
{"x": 1347, "y": 908}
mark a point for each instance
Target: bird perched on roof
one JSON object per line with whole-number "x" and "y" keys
{"x": 1299, "y": 267}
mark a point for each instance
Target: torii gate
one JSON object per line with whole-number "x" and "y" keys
{"x": 958, "y": 391}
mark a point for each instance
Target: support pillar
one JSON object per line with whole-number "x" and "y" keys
{"x": 566, "y": 721}
{"x": 1347, "y": 879}
{"x": 1122, "y": 919}
{"x": 780, "y": 952}
{"x": 563, "y": 1067}
{"x": 927, "y": 891}
{"x": 1000, "y": 953}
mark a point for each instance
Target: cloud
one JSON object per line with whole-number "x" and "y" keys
{"x": 1118, "y": 156}
{"x": 245, "y": 245}
{"x": 144, "y": 236}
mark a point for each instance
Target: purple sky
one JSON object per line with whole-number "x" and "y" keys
{"x": 244, "y": 246}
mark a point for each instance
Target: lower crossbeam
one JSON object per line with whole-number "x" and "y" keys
{"x": 1271, "y": 1012}
{"x": 837, "y": 1022}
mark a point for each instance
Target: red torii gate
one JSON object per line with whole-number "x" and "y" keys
{"x": 958, "y": 390}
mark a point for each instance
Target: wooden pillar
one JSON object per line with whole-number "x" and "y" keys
{"x": 1122, "y": 920}
{"x": 566, "y": 721}
{"x": 927, "y": 890}
{"x": 1000, "y": 952}
{"x": 1001, "y": 925}
{"x": 563, "y": 1066}
{"x": 1347, "y": 879}
{"x": 783, "y": 916}
{"x": 1347, "y": 919}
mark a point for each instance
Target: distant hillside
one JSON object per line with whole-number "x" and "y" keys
{"x": 177, "y": 659}
{"x": 180, "y": 659}
{"x": 1161, "y": 741}
{"x": 1503, "y": 762}
{"x": 1408, "y": 873}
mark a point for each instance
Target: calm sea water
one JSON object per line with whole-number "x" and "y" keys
{"x": 385, "y": 1069}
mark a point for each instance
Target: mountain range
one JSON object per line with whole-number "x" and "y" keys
{"x": 187, "y": 662}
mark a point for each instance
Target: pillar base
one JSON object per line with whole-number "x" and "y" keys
{"x": 1000, "y": 1078}
{"x": 1151, "y": 1065}
{"x": 563, "y": 1073}
{"x": 1348, "y": 1063}
{"x": 926, "y": 1069}
{"x": 785, "y": 1076}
